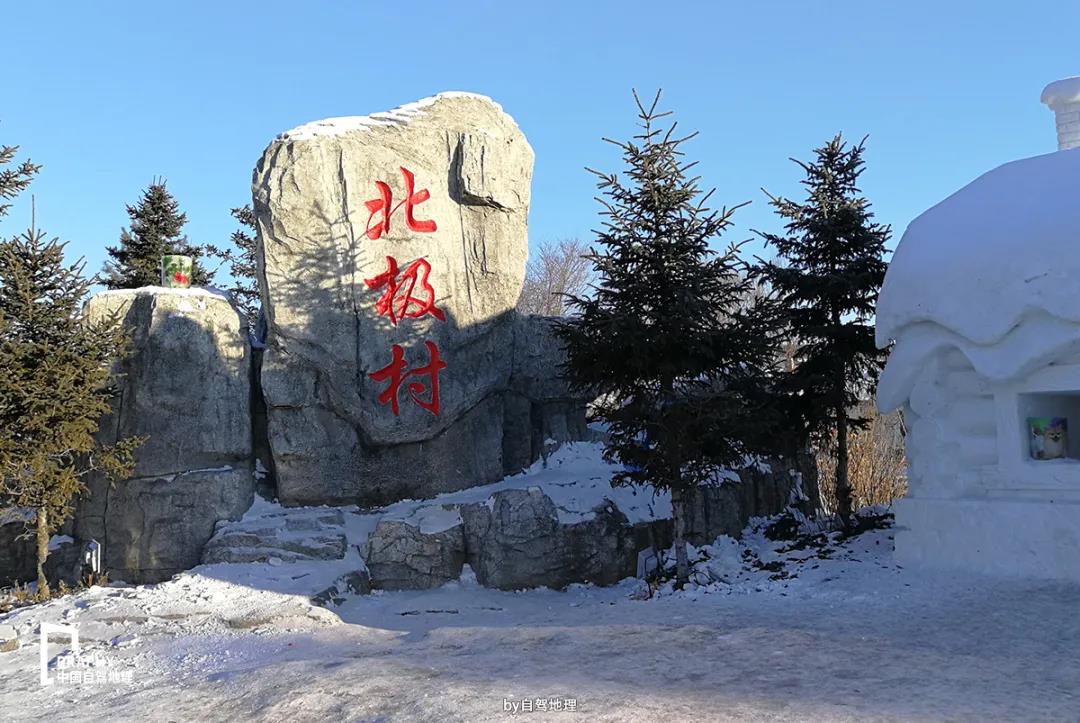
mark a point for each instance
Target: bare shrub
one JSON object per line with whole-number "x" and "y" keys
{"x": 877, "y": 465}
{"x": 557, "y": 268}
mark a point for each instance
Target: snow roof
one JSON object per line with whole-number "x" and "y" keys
{"x": 1000, "y": 248}
{"x": 398, "y": 116}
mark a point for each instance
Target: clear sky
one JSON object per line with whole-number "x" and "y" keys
{"x": 109, "y": 95}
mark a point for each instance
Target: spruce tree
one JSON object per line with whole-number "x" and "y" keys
{"x": 54, "y": 379}
{"x": 826, "y": 279}
{"x": 155, "y": 231}
{"x": 56, "y": 385}
{"x": 243, "y": 265}
{"x": 666, "y": 340}
{"x": 14, "y": 180}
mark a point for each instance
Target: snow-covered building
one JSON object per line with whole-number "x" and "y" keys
{"x": 982, "y": 300}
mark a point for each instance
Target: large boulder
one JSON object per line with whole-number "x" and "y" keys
{"x": 400, "y": 233}
{"x": 516, "y": 541}
{"x": 184, "y": 385}
{"x": 404, "y": 556}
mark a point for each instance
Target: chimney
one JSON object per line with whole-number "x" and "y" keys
{"x": 1063, "y": 97}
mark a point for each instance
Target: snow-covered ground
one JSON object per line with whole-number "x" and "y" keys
{"x": 832, "y": 632}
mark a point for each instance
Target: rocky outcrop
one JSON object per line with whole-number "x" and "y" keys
{"x": 517, "y": 542}
{"x": 391, "y": 243}
{"x": 154, "y": 527}
{"x": 518, "y": 538}
{"x": 764, "y": 489}
{"x": 184, "y": 385}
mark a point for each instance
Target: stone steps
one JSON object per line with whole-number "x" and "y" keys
{"x": 288, "y": 536}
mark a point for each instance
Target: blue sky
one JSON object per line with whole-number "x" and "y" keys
{"x": 109, "y": 95}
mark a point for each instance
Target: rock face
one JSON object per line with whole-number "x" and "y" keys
{"x": 765, "y": 489}
{"x": 185, "y": 384}
{"x": 17, "y": 552}
{"x": 401, "y": 556}
{"x": 538, "y": 405}
{"x": 391, "y": 243}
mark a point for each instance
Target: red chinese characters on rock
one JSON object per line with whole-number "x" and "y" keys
{"x": 409, "y": 297}
{"x": 396, "y": 372}
{"x": 382, "y": 205}
{"x": 397, "y": 301}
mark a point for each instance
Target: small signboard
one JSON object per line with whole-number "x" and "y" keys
{"x": 176, "y": 271}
